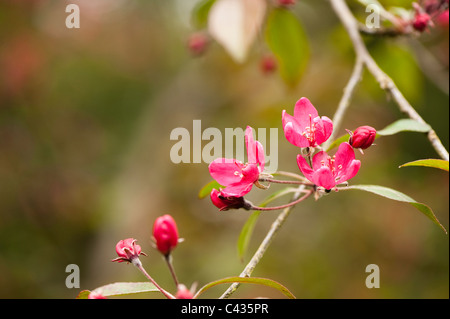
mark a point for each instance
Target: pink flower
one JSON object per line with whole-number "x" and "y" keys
{"x": 96, "y": 295}
{"x": 225, "y": 203}
{"x": 306, "y": 128}
{"x": 165, "y": 234}
{"x": 127, "y": 250}
{"x": 363, "y": 137}
{"x": 329, "y": 171}
{"x": 238, "y": 178}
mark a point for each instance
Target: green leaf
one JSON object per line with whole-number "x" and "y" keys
{"x": 247, "y": 229}
{"x": 404, "y": 125}
{"x": 206, "y": 190}
{"x": 287, "y": 40}
{"x": 249, "y": 280}
{"x": 200, "y": 13}
{"x": 338, "y": 141}
{"x": 398, "y": 196}
{"x": 246, "y": 234}
{"x": 125, "y": 288}
{"x": 436, "y": 163}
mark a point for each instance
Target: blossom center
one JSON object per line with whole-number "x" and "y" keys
{"x": 309, "y": 132}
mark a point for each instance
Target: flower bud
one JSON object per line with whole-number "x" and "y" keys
{"x": 197, "y": 43}
{"x": 285, "y": 2}
{"x": 421, "y": 21}
{"x": 225, "y": 203}
{"x": 362, "y": 137}
{"x": 268, "y": 64}
{"x": 183, "y": 293}
{"x": 165, "y": 234}
{"x": 127, "y": 250}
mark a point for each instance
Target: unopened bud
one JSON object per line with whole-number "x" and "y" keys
{"x": 225, "y": 203}
{"x": 363, "y": 137}
{"x": 165, "y": 234}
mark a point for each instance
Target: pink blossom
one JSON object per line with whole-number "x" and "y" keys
{"x": 127, "y": 250}
{"x": 165, "y": 234}
{"x": 238, "y": 178}
{"x": 329, "y": 171}
{"x": 306, "y": 128}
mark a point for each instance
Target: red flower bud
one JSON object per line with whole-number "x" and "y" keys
{"x": 421, "y": 21}
{"x": 285, "y": 2}
{"x": 362, "y": 137}
{"x": 165, "y": 234}
{"x": 127, "y": 250}
{"x": 225, "y": 203}
{"x": 197, "y": 43}
{"x": 183, "y": 293}
{"x": 268, "y": 64}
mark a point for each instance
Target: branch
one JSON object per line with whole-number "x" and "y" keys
{"x": 345, "y": 100}
{"x": 276, "y": 225}
{"x": 386, "y": 83}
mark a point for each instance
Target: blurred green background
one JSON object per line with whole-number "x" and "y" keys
{"x": 85, "y": 120}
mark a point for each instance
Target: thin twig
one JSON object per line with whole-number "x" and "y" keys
{"x": 276, "y": 225}
{"x": 345, "y": 100}
{"x": 386, "y": 83}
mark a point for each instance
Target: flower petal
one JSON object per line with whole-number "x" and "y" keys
{"x": 304, "y": 168}
{"x": 238, "y": 189}
{"x": 226, "y": 171}
{"x": 293, "y": 134}
{"x": 323, "y": 129}
{"x": 304, "y": 111}
{"x": 344, "y": 157}
{"x": 319, "y": 160}
{"x": 251, "y": 145}
{"x": 323, "y": 177}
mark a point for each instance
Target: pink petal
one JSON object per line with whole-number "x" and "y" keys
{"x": 324, "y": 128}
{"x": 251, "y": 145}
{"x": 226, "y": 171}
{"x": 237, "y": 190}
{"x": 293, "y": 134}
{"x": 350, "y": 172}
{"x": 319, "y": 160}
{"x": 304, "y": 168}
{"x": 255, "y": 150}
{"x": 260, "y": 157}
{"x": 304, "y": 111}
{"x": 344, "y": 157}
{"x": 323, "y": 177}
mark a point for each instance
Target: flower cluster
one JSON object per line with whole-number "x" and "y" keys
{"x": 306, "y": 130}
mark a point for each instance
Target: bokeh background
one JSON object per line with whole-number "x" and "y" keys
{"x": 85, "y": 121}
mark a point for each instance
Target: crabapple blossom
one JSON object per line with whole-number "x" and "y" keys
{"x": 327, "y": 171}
{"x": 237, "y": 177}
{"x": 306, "y": 128}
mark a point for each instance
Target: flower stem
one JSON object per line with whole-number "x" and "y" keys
{"x": 290, "y": 174}
{"x": 168, "y": 259}
{"x": 276, "y": 181}
{"x": 138, "y": 264}
{"x": 286, "y": 205}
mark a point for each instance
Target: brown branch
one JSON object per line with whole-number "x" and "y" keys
{"x": 386, "y": 83}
